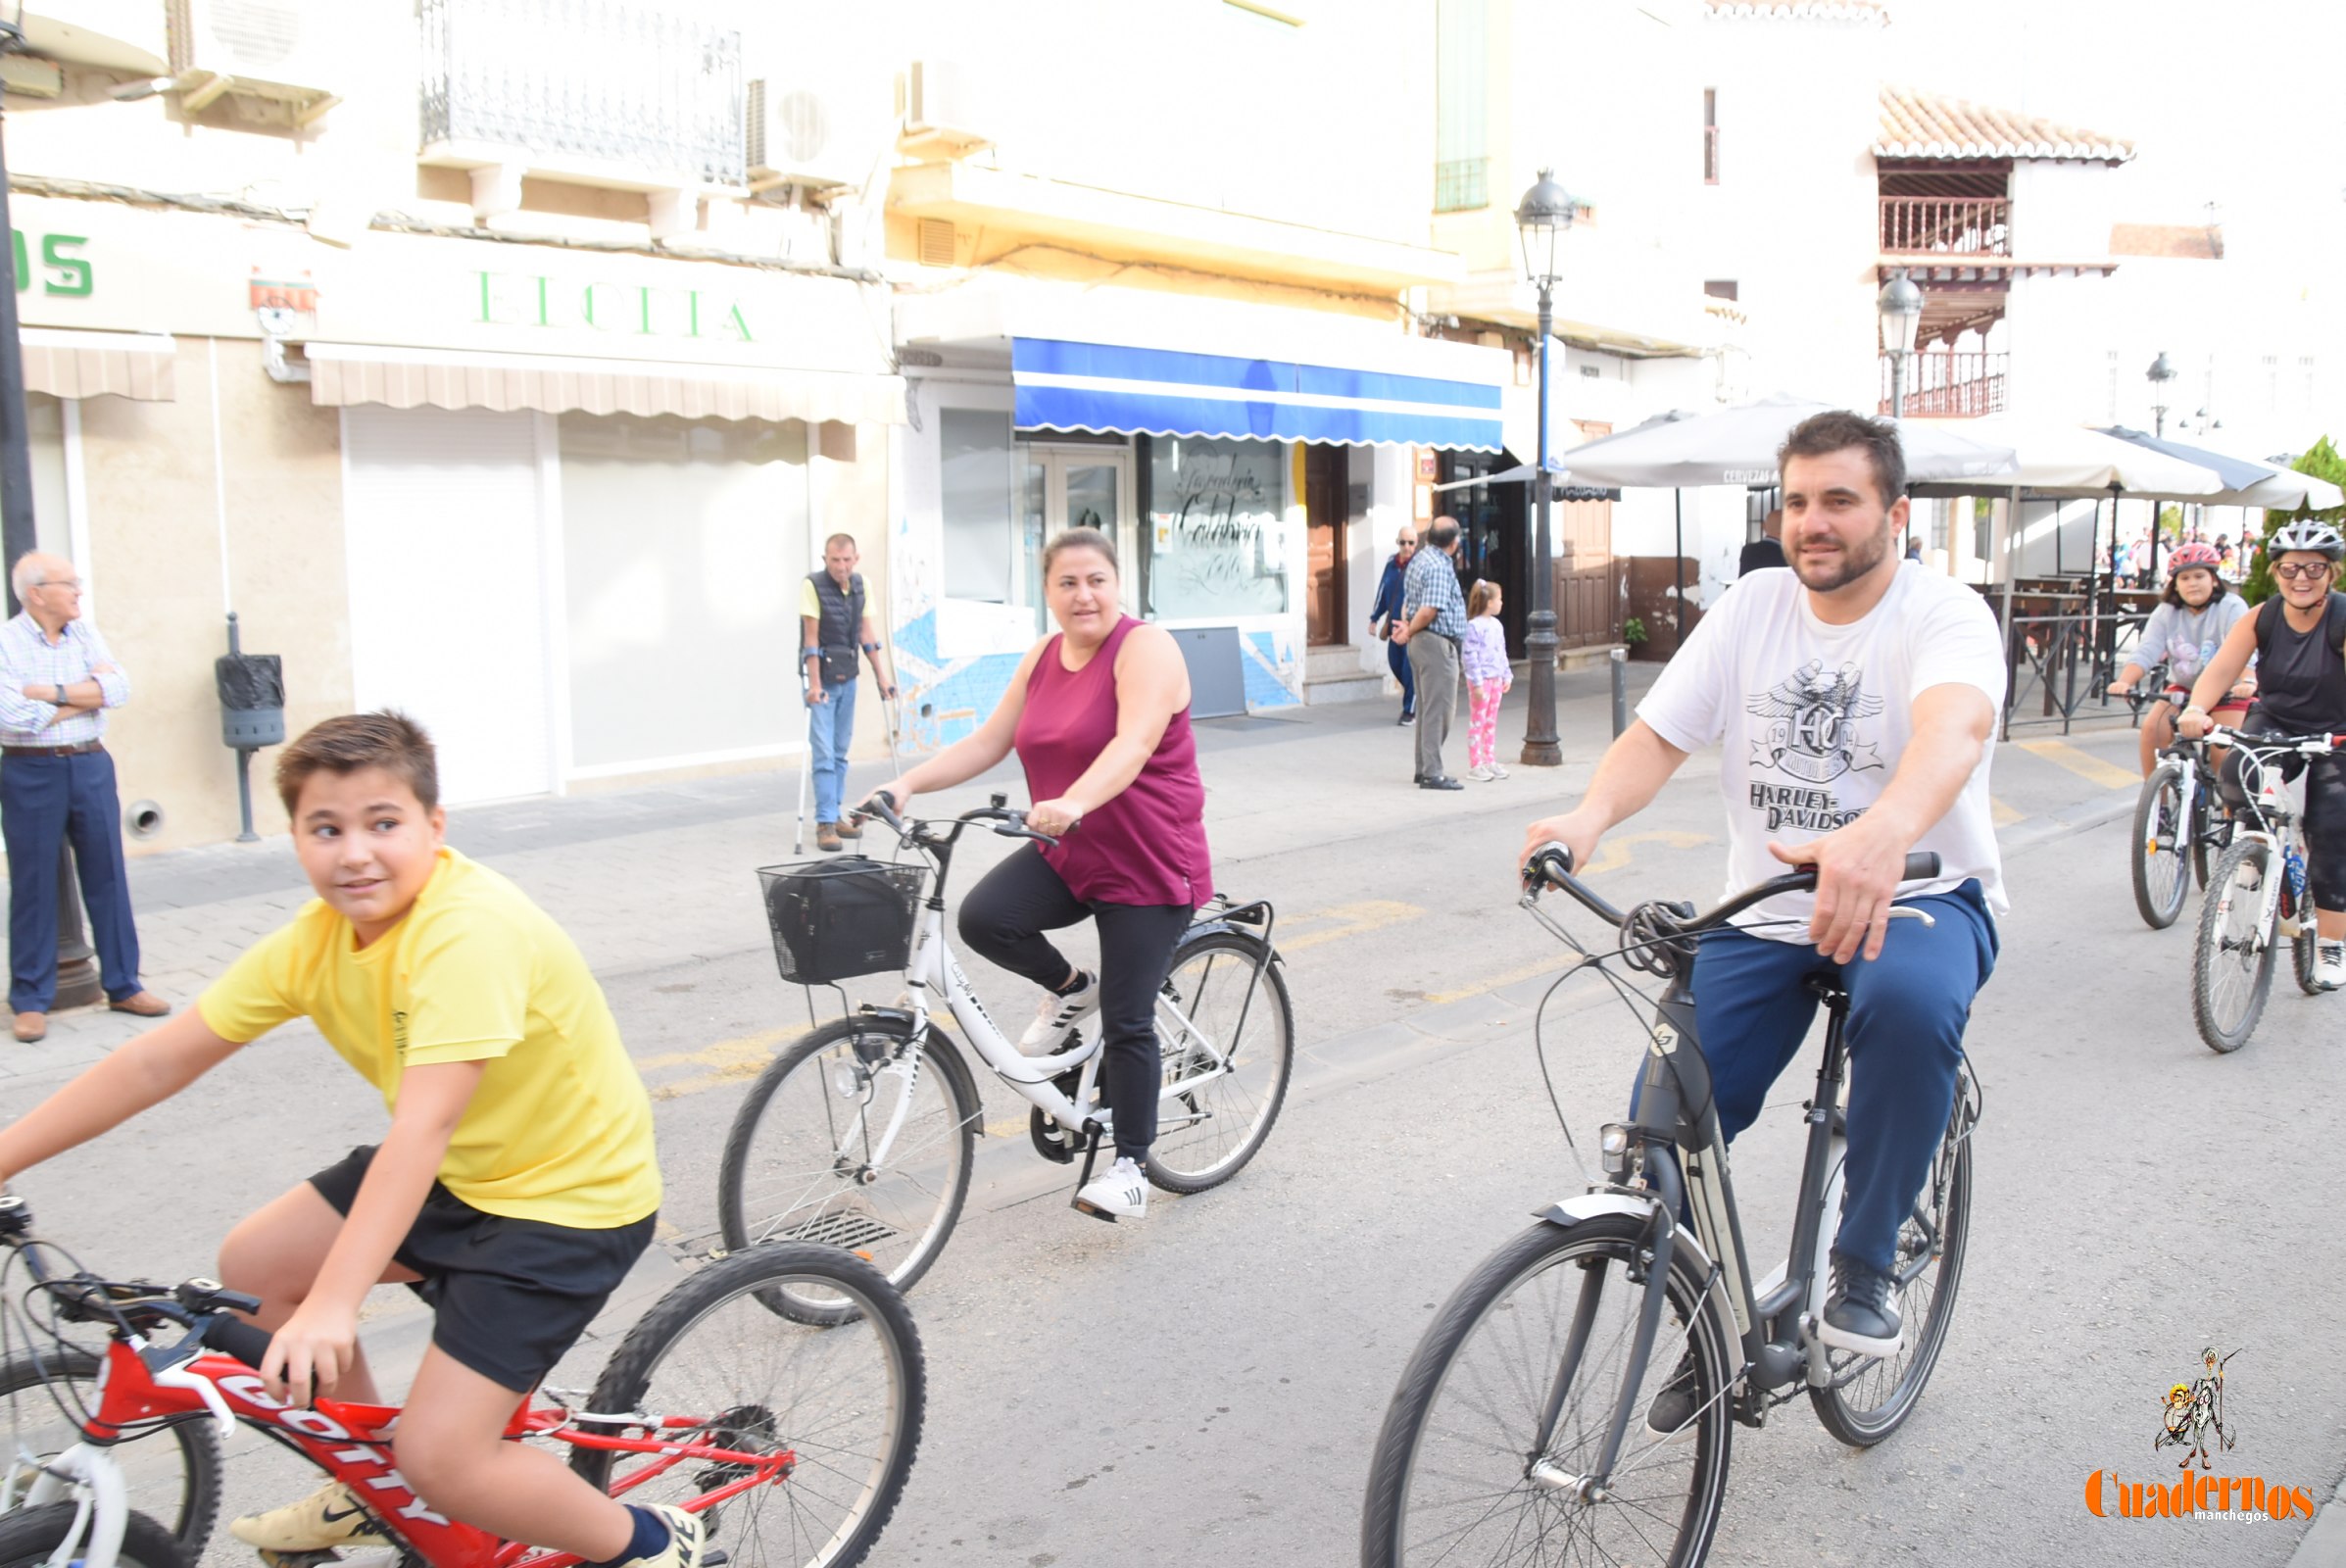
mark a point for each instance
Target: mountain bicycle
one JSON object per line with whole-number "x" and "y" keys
{"x": 794, "y": 1447}
{"x": 862, "y": 1133}
{"x": 1520, "y": 1428}
{"x": 2258, "y": 894}
{"x": 2180, "y": 825}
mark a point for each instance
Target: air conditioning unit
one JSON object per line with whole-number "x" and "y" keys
{"x": 942, "y": 116}
{"x": 835, "y": 134}
{"x": 271, "y": 49}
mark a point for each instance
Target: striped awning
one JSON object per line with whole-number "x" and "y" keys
{"x": 343, "y": 374}
{"x": 93, "y": 364}
{"x": 1106, "y": 388}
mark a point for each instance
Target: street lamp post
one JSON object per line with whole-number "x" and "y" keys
{"x": 1900, "y": 302}
{"x": 2161, "y": 372}
{"x": 1541, "y": 217}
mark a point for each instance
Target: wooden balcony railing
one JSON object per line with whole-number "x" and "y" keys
{"x": 1935, "y": 225}
{"x": 1949, "y": 385}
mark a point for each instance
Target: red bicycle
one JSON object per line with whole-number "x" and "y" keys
{"x": 793, "y": 1441}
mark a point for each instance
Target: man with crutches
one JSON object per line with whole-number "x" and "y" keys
{"x": 833, "y": 629}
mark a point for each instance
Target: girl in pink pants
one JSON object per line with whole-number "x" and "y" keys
{"x": 1484, "y": 659}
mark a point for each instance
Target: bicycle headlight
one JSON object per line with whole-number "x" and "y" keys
{"x": 1614, "y": 1141}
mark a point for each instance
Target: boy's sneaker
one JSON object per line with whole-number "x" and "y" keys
{"x": 325, "y": 1519}
{"x": 2330, "y": 967}
{"x": 1860, "y": 1314}
{"x": 687, "y": 1540}
{"x": 1058, "y": 1016}
{"x": 1120, "y": 1192}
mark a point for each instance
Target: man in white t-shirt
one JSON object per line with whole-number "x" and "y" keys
{"x": 1853, "y": 697}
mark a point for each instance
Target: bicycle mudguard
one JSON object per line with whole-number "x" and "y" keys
{"x": 1570, "y": 1211}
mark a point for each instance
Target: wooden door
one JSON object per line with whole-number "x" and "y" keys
{"x": 1326, "y": 471}
{"x": 1588, "y": 592}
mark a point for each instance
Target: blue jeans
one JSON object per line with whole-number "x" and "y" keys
{"x": 831, "y": 730}
{"x": 45, "y": 801}
{"x": 1907, "y": 1010}
{"x": 1397, "y": 659}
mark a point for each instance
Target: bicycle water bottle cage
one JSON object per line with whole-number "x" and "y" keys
{"x": 1652, "y": 941}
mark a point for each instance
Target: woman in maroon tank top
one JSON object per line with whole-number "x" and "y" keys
{"x": 1098, "y": 713}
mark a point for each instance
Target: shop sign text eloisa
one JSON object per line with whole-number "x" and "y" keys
{"x": 639, "y": 309}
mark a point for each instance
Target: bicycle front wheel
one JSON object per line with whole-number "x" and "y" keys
{"x": 708, "y": 1364}
{"x": 173, "y": 1473}
{"x": 1459, "y": 1474}
{"x": 1870, "y": 1398}
{"x": 846, "y": 1141}
{"x": 1227, "y": 1041}
{"x": 2231, "y": 969}
{"x": 2161, "y": 839}
{"x": 30, "y": 1538}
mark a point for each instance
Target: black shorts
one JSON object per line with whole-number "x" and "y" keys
{"x": 510, "y": 1295}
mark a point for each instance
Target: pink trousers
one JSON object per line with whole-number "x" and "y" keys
{"x": 1482, "y": 722}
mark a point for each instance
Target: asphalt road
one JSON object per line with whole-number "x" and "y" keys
{"x": 1204, "y": 1388}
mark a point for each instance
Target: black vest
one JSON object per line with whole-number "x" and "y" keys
{"x": 2301, "y": 676}
{"x": 842, "y": 620}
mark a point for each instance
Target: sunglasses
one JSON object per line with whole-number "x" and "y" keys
{"x": 2307, "y": 571}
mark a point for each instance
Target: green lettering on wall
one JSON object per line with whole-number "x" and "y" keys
{"x": 645, "y": 293}
{"x": 24, "y": 273}
{"x": 545, "y": 318}
{"x": 71, "y": 275}
{"x": 737, "y": 324}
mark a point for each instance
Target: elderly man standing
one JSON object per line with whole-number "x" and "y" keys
{"x": 1432, "y": 624}
{"x": 57, "y": 783}
{"x": 832, "y": 616}
{"x": 1385, "y": 618}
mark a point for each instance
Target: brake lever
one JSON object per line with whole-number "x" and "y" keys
{"x": 1907, "y": 911}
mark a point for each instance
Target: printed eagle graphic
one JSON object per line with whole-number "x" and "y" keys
{"x": 1812, "y": 723}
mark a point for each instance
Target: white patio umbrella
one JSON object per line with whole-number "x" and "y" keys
{"x": 2285, "y": 491}
{"x": 1738, "y": 445}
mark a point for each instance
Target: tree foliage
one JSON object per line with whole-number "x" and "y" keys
{"x": 2322, "y": 461}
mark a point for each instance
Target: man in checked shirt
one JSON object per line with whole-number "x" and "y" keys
{"x": 56, "y": 782}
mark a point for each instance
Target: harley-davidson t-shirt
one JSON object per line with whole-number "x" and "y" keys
{"x": 1812, "y": 719}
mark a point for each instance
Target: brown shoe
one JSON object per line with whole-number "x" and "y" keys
{"x": 846, "y": 829}
{"x": 32, "y": 1027}
{"x": 142, "y": 1004}
{"x": 826, "y": 836}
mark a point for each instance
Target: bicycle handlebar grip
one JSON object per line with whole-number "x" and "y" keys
{"x": 1921, "y": 866}
{"x": 1550, "y": 862}
{"x": 235, "y": 1336}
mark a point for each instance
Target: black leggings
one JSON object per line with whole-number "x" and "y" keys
{"x": 1002, "y": 919}
{"x": 2325, "y": 814}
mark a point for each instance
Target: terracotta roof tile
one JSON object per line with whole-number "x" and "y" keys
{"x": 1787, "y": 9}
{"x": 1925, "y": 124}
{"x": 2200, "y": 242}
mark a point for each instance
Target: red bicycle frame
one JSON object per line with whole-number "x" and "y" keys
{"x": 351, "y": 1443}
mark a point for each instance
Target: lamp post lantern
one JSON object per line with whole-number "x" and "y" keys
{"x": 1540, "y": 219}
{"x": 2162, "y": 371}
{"x": 1900, "y": 302}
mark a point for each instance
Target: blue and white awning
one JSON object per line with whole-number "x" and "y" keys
{"x": 1106, "y": 388}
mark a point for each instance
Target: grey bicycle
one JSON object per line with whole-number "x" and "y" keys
{"x": 1521, "y": 1428}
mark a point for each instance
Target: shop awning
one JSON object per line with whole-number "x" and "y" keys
{"x": 92, "y": 365}
{"x": 1102, "y": 387}
{"x": 342, "y": 375}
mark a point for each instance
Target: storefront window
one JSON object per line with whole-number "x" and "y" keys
{"x": 1217, "y": 535}
{"x": 978, "y": 474}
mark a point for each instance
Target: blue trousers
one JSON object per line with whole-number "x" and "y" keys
{"x": 1397, "y": 659}
{"x": 1907, "y": 1010}
{"x": 831, "y": 727}
{"x": 45, "y": 801}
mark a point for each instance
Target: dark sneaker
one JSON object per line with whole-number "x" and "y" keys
{"x": 1439, "y": 783}
{"x": 1673, "y": 1405}
{"x": 1861, "y": 1314}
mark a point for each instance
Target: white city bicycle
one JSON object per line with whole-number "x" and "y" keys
{"x": 862, "y": 1133}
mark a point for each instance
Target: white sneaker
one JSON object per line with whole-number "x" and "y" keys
{"x": 1481, "y": 776}
{"x": 1120, "y": 1192}
{"x": 1058, "y": 1017}
{"x": 1497, "y": 771}
{"x": 2330, "y": 966}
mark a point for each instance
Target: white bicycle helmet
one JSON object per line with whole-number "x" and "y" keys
{"x": 2307, "y": 533}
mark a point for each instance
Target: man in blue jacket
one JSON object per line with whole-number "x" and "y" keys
{"x": 1386, "y": 610}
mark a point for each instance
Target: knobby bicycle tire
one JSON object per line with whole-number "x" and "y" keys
{"x": 2161, "y": 877}
{"x": 1401, "y": 1523}
{"x": 1946, "y": 1201}
{"x": 30, "y": 1536}
{"x": 1269, "y": 1043}
{"x": 26, "y": 1398}
{"x": 900, "y": 1225}
{"x": 726, "y": 1299}
{"x": 2227, "y": 923}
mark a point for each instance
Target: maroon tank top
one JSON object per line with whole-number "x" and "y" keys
{"x": 1148, "y": 845}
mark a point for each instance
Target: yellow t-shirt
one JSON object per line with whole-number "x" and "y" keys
{"x": 561, "y": 1127}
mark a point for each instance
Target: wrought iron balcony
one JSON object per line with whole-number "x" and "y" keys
{"x": 620, "y": 83}
{"x": 1945, "y": 385}
{"x": 1956, "y": 226}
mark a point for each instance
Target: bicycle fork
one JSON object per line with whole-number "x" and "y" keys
{"x": 1654, "y": 1258}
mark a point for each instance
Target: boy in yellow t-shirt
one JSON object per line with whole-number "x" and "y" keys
{"x": 515, "y": 1187}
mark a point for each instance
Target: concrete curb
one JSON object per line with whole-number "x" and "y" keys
{"x": 2324, "y": 1544}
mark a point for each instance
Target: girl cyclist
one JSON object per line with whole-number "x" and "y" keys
{"x": 2298, "y": 637}
{"x": 2183, "y": 633}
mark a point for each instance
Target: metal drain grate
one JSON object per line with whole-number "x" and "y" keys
{"x": 849, "y": 1232}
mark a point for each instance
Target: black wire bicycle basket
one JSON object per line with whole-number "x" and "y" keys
{"x": 839, "y": 919}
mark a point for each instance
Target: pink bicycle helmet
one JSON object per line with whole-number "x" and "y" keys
{"x": 2186, "y": 556}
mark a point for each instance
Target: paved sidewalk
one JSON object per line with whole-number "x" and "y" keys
{"x": 661, "y": 876}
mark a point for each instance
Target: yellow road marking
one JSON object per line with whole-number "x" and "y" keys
{"x": 2083, "y": 763}
{"x": 2003, "y": 816}
{"x": 1353, "y": 918}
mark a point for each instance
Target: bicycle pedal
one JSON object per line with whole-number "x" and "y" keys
{"x": 1095, "y": 1210}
